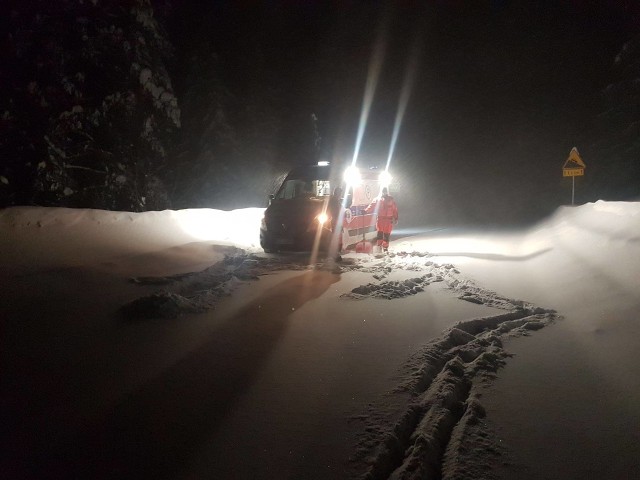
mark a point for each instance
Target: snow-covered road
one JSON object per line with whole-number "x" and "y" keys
{"x": 219, "y": 362}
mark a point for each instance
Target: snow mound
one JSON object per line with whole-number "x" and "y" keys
{"x": 391, "y": 289}
{"x": 609, "y": 224}
{"x": 192, "y": 292}
{"x": 587, "y": 229}
{"x": 160, "y": 305}
{"x": 195, "y": 292}
{"x": 465, "y": 289}
{"x": 51, "y": 237}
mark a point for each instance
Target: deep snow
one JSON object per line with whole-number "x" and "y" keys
{"x": 399, "y": 372}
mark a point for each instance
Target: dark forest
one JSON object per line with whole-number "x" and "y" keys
{"x": 147, "y": 105}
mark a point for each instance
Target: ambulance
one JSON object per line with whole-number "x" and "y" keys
{"x": 305, "y": 215}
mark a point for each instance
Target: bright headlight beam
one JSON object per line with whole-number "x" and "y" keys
{"x": 373, "y": 74}
{"x": 405, "y": 93}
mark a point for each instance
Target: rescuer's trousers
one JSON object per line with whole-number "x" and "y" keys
{"x": 384, "y": 227}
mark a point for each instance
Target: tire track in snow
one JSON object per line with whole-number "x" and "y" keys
{"x": 441, "y": 433}
{"x": 433, "y": 438}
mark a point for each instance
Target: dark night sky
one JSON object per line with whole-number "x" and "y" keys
{"x": 503, "y": 89}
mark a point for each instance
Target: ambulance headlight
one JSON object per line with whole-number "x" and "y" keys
{"x": 385, "y": 178}
{"x": 322, "y": 218}
{"x": 352, "y": 175}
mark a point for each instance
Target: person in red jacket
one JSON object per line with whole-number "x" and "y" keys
{"x": 387, "y": 216}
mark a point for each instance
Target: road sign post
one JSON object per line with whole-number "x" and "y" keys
{"x": 573, "y": 167}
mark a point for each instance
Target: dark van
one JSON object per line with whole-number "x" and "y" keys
{"x": 301, "y": 213}
{"x": 305, "y": 215}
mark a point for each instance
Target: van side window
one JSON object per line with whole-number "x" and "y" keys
{"x": 301, "y": 188}
{"x": 291, "y": 189}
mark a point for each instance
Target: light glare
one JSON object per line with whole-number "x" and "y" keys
{"x": 352, "y": 175}
{"x": 375, "y": 66}
{"x": 385, "y": 178}
{"x": 322, "y": 218}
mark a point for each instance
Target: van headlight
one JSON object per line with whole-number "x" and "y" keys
{"x": 352, "y": 175}
{"x": 385, "y": 178}
{"x": 322, "y": 218}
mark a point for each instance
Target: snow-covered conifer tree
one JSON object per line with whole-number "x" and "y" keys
{"x": 90, "y": 109}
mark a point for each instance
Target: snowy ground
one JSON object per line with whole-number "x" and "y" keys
{"x": 160, "y": 343}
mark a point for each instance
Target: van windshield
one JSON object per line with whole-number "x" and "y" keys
{"x": 297, "y": 188}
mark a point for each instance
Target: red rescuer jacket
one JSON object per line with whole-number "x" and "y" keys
{"x": 387, "y": 213}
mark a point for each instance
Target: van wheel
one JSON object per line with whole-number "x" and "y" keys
{"x": 267, "y": 247}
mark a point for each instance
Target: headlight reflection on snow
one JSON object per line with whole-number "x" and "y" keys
{"x": 240, "y": 227}
{"x": 466, "y": 244}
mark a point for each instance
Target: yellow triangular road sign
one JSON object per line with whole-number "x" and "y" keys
{"x": 574, "y": 157}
